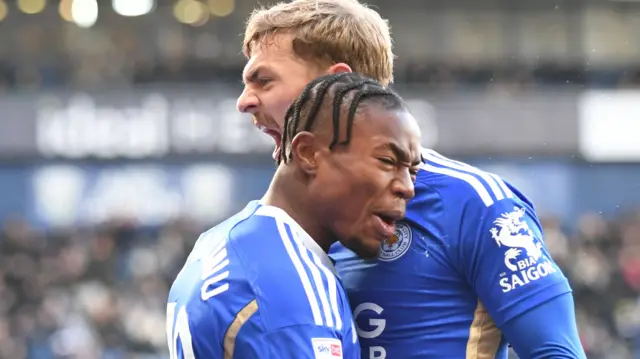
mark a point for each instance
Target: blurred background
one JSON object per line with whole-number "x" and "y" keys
{"x": 120, "y": 143}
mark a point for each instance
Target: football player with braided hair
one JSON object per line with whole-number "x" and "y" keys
{"x": 261, "y": 284}
{"x": 466, "y": 272}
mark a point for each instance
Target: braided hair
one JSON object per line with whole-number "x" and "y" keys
{"x": 303, "y": 114}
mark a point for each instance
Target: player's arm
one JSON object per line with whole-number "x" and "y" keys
{"x": 252, "y": 335}
{"x": 553, "y": 333}
{"x": 503, "y": 255}
{"x": 304, "y": 341}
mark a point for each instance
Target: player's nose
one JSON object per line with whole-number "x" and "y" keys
{"x": 403, "y": 186}
{"x": 247, "y": 102}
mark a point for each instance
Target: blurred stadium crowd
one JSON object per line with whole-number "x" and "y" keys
{"x": 120, "y": 60}
{"x": 100, "y": 291}
{"x": 462, "y": 43}
{"x": 88, "y": 293}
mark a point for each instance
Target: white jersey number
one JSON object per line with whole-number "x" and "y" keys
{"x": 213, "y": 272}
{"x": 179, "y": 332}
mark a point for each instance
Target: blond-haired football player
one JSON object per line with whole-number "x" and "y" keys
{"x": 467, "y": 271}
{"x": 290, "y": 44}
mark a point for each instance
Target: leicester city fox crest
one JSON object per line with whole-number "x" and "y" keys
{"x": 398, "y": 244}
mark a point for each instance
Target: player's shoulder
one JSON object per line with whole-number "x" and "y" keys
{"x": 247, "y": 229}
{"x": 260, "y": 228}
{"x": 232, "y": 274}
{"x": 263, "y": 257}
{"x": 215, "y": 240}
{"x": 463, "y": 184}
{"x": 214, "y": 272}
{"x": 293, "y": 280}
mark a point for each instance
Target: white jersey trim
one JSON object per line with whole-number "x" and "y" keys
{"x": 303, "y": 236}
{"x": 323, "y": 299}
{"x": 318, "y": 282}
{"x": 304, "y": 278}
{"x": 333, "y": 291}
{"x": 488, "y": 186}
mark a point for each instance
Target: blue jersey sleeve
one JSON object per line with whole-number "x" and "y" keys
{"x": 504, "y": 258}
{"x": 302, "y": 340}
{"x": 546, "y": 331}
{"x": 299, "y": 308}
{"x": 296, "y": 342}
{"x": 253, "y": 289}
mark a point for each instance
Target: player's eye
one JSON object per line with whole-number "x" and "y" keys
{"x": 264, "y": 81}
{"x": 413, "y": 171}
{"x": 387, "y": 161}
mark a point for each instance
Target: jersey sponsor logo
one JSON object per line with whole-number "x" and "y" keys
{"x": 327, "y": 348}
{"x": 524, "y": 258}
{"x": 398, "y": 244}
{"x": 371, "y": 329}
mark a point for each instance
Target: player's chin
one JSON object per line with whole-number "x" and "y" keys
{"x": 367, "y": 248}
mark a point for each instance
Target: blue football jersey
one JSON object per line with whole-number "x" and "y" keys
{"x": 257, "y": 286}
{"x": 468, "y": 257}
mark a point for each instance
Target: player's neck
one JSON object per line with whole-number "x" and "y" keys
{"x": 284, "y": 193}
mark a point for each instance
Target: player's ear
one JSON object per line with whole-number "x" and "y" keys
{"x": 303, "y": 151}
{"x": 339, "y": 68}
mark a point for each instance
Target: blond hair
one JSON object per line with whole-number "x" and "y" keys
{"x": 328, "y": 32}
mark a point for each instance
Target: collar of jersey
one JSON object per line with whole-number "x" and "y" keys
{"x": 302, "y": 236}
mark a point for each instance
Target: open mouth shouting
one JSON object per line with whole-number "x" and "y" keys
{"x": 271, "y": 129}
